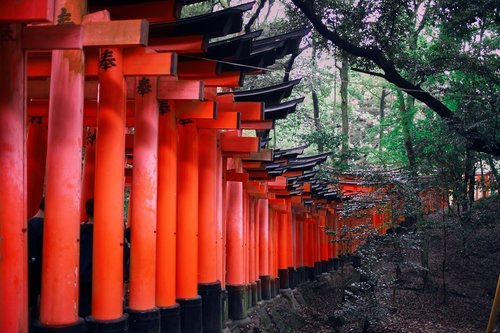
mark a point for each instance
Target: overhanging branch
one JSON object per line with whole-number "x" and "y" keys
{"x": 475, "y": 139}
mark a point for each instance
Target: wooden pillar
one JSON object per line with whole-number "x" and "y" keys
{"x": 271, "y": 249}
{"x": 187, "y": 228}
{"x": 323, "y": 242}
{"x": 220, "y": 230}
{"x": 317, "y": 244}
{"x": 142, "y": 308}
{"x": 167, "y": 219}
{"x": 276, "y": 252}
{"x": 88, "y": 179}
{"x": 235, "y": 286}
{"x": 298, "y": 234}
{"x": 13, "y": 199}
{"x": 255, "y": 208}
{"x": 245, "y": 237}
{"x": 283, "y": 239}
{"x": 59, "y": 295}
{"x": 107, "y": 289}
{"x": 36, "y": 156}
{"x": 63, "y": 188}
{"x": 264, "y": 275}
{"x": 251, "y": 252}
{"x": 208, "y": 286}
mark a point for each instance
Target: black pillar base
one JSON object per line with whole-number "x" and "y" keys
{"x": 170, "y": 319}
{"x": 317, "y": 268}
{"x": 299, "y": 276}
{"x": 211, "y": 306}
{"x": 303, "y": 274}
{"x": 248, "y": 299}
{"x": 253, "y": 293}
{"x": 324, "y": 266}
{"x": 107, "y": 326}
{"x": 259, "y": 290}
{"x": 237, "y": 300}
{"x": 225, "y": 308}
{"x": 356, "y": 260}
{"x": 274, "y": 290}
{"x": 311, "y": 273}
{"x": 292, "y": 277}
{"x": 265, "y": 281}
{"x": 284, "y": 278}
{"x": 191, "y": 314}
{"x": 147, "y": 321}
{"x": 330, "y": 265}
{"x": 335, "y": 263}
{"x": 78, "y": 327}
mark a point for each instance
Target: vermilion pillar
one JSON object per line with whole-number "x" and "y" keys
{"x": 251, "y": 252}
{"x": 59, "y": 295}
{"x": 245, "y": 238}
{"x": 167, "y": 220}
{"x": 307, "y": 248}
{"x": 142, "y": 308}
{"x": 13, "y": 199}
{"x": 88, "y": 180}
{"x": 298, "y": 248}
{"x": 317, "y": 245}
{"x": 272, "y": 249}
{"x": 264, "y": 275}
{"x": 220, "y": 232}
{"x": 290, "y": 247}
{"x": 330, "y": 241}
{"x": 283, "y": 247}
{"x": 235, "y": 268}
{"x": 107, "y": 273}
{"x": 276, "y": 252}
{"x": 323, "y": 238}
{"x": 246, "y": 260}
{"x": 36, "y": 155}
{"x": 208, "y": 286}
{"x": 187, "y": 228}
{"x": 255, "y": 208}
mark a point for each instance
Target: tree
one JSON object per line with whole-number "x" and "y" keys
{"x": 377, "y": 37}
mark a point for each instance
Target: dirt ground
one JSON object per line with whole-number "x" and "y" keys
{"x": 470, "y": 276}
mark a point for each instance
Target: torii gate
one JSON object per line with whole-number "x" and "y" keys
{"x": 196, "y": 119}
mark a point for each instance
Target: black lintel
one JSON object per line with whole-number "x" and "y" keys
{"x": 280, "y": 111}
{"x": 290, "y": 42}
{"x": 211, "y": 25}
{"x": 311, "y": 158}
{"x": 290, "y": 152}
{"x": 252, "y": 63}
{"x": 300, "y": 166}
{"x": 232, "y": 48}
{"x": 270, "y": 95}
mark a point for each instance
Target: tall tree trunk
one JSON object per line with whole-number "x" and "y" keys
{"x": 317, "y": 123}
{"x": 406, "y": 114}
{"x": 466, "y": 197}
{"x": 344, "y": 81}
{"x": 289, "y": 65}
{"x": 494, "y": 171}
{"x": 383, "y": 95}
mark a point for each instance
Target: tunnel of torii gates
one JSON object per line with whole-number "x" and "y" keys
{"x": 218, "y": 222}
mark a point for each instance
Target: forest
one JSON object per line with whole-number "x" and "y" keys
{"x": 400, "y": 92}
